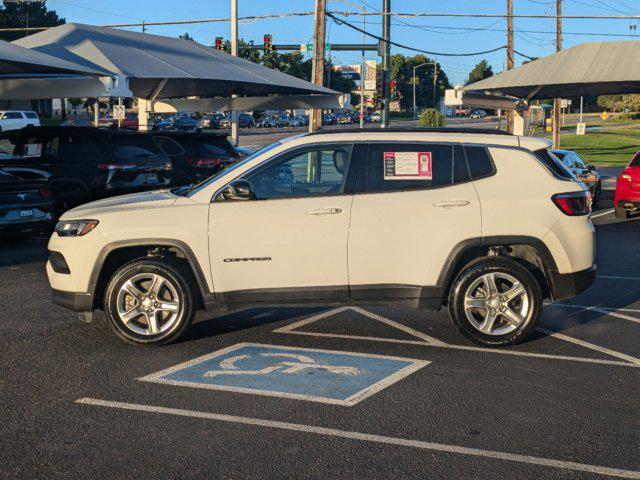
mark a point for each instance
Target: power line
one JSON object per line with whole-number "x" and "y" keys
{"x": 399, "y": 45}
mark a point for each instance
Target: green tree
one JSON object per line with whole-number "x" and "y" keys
{"x": 25, "y": 14}
{"x": 402, "y": 72}
{"x": 431, "y": 118}
{"x": 481, "y": 71}
{"x": 186, "y": 36}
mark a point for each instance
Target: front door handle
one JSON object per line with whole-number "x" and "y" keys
{"x": 452, "y": 203}
{"x": 325, "y": 211}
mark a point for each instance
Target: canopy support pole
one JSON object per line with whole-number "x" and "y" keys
{"x": 146, "y": 106}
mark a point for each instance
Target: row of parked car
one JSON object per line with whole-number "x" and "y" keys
{"x": 48, "y": 170}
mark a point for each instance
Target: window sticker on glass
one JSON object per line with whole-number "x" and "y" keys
{"x": 407, "y": 165}
{"x": 33, "y": 149}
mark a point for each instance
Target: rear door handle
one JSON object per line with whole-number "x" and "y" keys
{"x": 325, "y": 211}
{"x": 452, "y": 203}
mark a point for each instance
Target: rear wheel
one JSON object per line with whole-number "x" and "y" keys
{"x": 150, "y": 302}
{"x": 495, "y": 302}
{"x": 622, "y": 212}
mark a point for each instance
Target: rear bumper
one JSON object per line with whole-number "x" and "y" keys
{"x": 567, "y": 285}
{"x": 628, "y": 204}
{"x": 78, "y": 302}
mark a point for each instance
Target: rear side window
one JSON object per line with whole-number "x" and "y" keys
{"x": 554, "y": 165}
{"x": 409, "y": 166}
{"x": 31, "y": 114}
{"x": 479, "y": 161}
{"x": 130, "y": 146}
{"x": 635, "y": 161}
{"x": 12, "y": 116}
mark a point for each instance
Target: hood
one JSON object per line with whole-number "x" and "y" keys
{"x": 134, "y": 201}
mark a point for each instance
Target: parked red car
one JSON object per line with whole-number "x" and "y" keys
{"x": 627, "y": 199}
{"x": 130, "y": 121}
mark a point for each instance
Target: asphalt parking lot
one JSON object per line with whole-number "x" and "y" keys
{"x": 78, "y": 403}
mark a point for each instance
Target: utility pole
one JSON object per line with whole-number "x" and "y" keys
{"x": 317, "y": 64}
{"x": 557, "y": 103}
{"x": 510, "y": 54}
{"x": 435, "y": 77}
{"x": 362, "y": 76}
{"x": 386, "y": 60}
{"x": 234, "y": 52}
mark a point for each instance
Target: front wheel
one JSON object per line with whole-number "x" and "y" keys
{"x": 150, "y": 302}
{"x": 495, "y": 302}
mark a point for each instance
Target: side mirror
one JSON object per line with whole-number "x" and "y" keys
{"x": 592, "y": 168}
{"x": 236, "y": 191}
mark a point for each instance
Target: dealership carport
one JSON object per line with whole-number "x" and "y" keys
{"x": 152, "y": 67}
{"x": 592, "y": 68}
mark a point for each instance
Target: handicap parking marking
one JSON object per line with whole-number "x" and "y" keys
{"x": 425, "y": 340}
{"x": 326, "y": 376}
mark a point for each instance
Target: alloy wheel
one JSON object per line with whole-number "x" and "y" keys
{"x": 496, "y": 303}
{"x": 148, "y": 304}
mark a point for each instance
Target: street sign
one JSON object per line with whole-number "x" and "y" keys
{"x": 308, "y": 47}
{"x": 118, "y": 112}
{"x": 581, "y": 128}
{"x": 604, "y": 115}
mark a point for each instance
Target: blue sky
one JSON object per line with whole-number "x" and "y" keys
{"x": 534, "y": 37}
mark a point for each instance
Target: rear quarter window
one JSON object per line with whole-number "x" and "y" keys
{"x": 635, "y": 161}
{"x": 479, "y": 161}
{"x": 31, "y": 114}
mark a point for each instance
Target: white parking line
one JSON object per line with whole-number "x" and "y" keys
{"x": 367, "y": 437}
{"x": 614, "y": 277}
{"x": 584, "y": 307}
{"x": 292, "y": 329}
{"x": 601, "y": 214}
{"x": 614, "y": 312}
{"x": 592, "y": 346}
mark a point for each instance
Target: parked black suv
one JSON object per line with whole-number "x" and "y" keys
{"x": 202, "y": 155}
{"x": 25, "y": 206}
{"x": 81, "y": 164}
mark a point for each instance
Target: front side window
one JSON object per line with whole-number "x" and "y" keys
{"x": 410, "y": 166}
{"x": 314, "y": 172}
{"x": 12, "y": 116}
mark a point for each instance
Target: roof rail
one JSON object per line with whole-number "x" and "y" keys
{"x": 478, "y": 131}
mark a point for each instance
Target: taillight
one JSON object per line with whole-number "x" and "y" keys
{"x": 203, "y": 162}
{"x": 573, "y": 203}
{"x": 625, "y": 176}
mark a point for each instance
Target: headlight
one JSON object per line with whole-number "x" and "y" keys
{"x": 75, "y": 228}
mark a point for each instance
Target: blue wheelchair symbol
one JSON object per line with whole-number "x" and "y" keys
{"x": 341, "y": 378}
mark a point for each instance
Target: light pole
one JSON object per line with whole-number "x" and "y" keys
{"x": 414, "y": 84}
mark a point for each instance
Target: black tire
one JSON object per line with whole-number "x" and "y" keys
{"x": 622, "y": 213}
{"x": 171, "y": 272}
{"x": 597, "y": 193}
{"x": 495, "y": 265}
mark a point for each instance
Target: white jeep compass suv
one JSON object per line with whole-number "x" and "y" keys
{"x": 485, "y": 223}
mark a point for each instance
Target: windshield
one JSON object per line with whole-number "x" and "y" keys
{"x": 229, "y": 169}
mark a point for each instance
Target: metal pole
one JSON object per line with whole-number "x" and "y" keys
{"x": 119, "y": 120}
{"x": 414, "y": 94}
{"x": 364, "y": 38}
{"x": 317, "y": 64}
{"x": 556, "y": 103}
{"x": 581, "y": 98}
{"x": 510, "y": 55}
{"x": 96, "y": 112}
{"x": 386, "y": 60}
{"x": 234, "y": 52}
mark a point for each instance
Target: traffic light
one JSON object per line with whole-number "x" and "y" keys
{"x": 393, "y": 93}
{"x": 268, "y": 43}
{"x": 219, "y": 44}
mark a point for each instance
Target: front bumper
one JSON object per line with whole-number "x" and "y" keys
{"x": 78, "y": 302}
{"x": 567, "y": 285}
